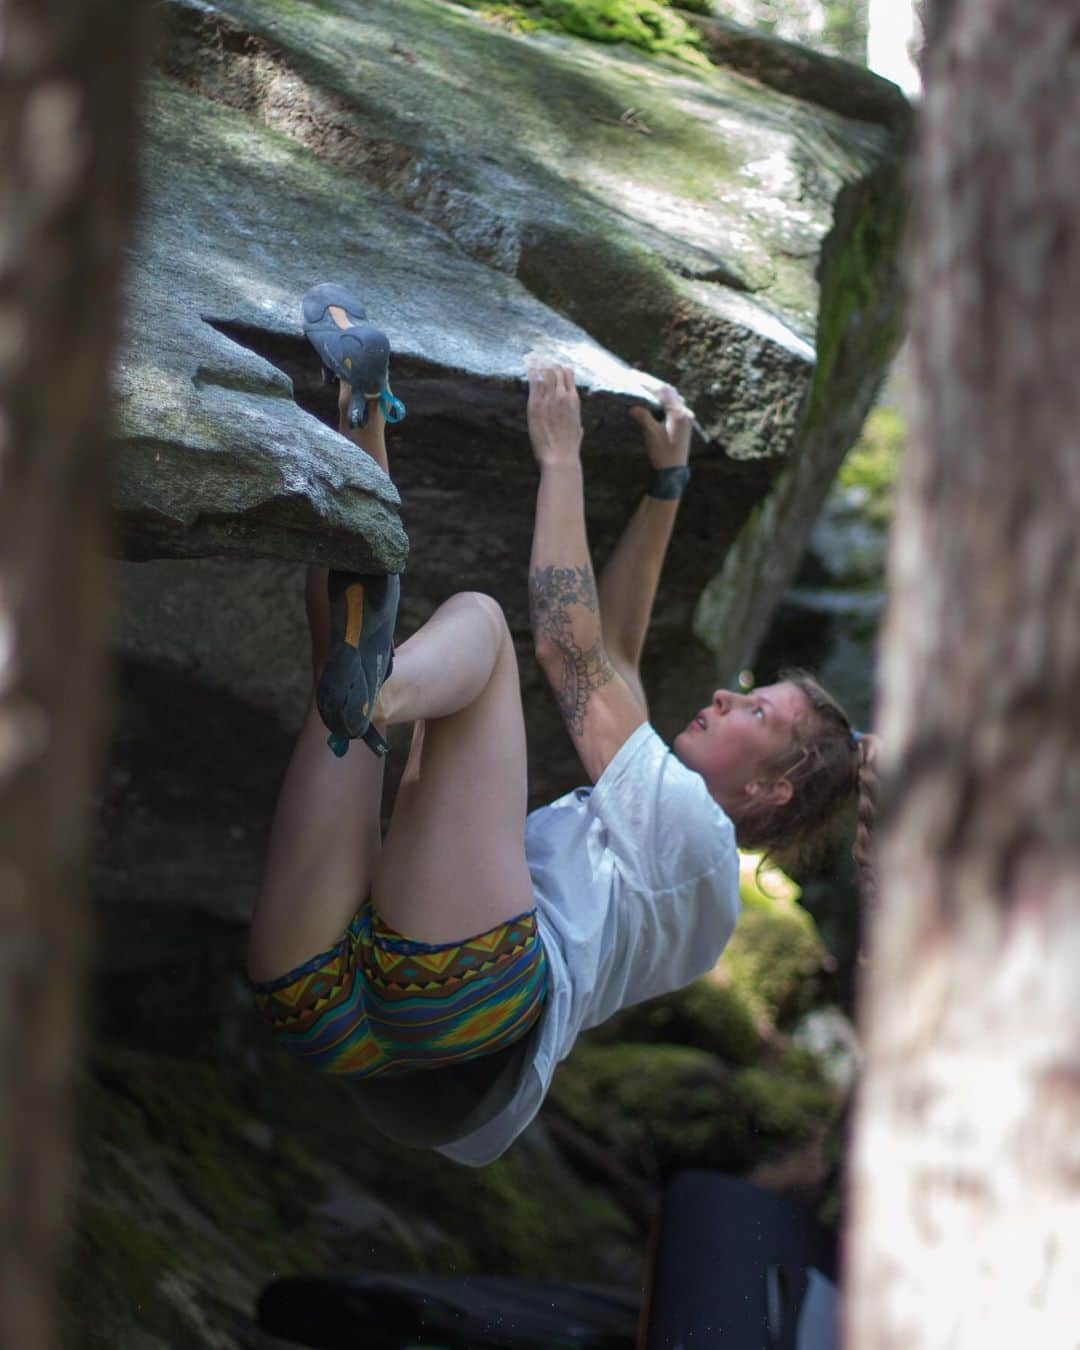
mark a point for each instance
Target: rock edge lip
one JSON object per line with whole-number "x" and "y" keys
{"x": 813, "y": 76}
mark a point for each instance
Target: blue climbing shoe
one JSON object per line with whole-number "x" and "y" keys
{"x": 358, "y": 354}
{"x": 363, "y": 611}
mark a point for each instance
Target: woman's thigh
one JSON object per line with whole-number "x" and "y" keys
{"x": 453, "y": 861}
{"x": 322, "y": 855}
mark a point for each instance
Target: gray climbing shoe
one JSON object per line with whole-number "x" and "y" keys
{"x": 358, "y": 354}
{"x": 363, "y": 611}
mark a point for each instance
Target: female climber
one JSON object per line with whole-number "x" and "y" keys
{"x": 449, "y": 967}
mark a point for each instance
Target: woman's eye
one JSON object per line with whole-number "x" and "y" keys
{"x": 760, "y": 712}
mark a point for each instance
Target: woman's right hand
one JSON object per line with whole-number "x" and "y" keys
{"x": 554, "y": 415}
{"x": 667, "y": 443}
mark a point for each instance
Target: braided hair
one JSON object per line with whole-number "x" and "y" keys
{"x": 828, "y": 763}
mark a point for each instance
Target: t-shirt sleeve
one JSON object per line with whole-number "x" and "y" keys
{"x": 662, "y": 826}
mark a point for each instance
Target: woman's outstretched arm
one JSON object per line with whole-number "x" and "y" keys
{"x": 629, "y": 579}
{"x": 598, "y": 706}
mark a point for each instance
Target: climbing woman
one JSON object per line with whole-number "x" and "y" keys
{"x": 449, "y": 967}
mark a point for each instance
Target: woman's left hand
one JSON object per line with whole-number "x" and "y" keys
{"x": 667, "y": 443}
{"x": 554, "y": 415}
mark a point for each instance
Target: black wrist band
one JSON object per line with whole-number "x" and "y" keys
{"x": 669, "y": 484}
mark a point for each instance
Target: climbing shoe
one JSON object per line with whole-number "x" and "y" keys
{"x": 363, "y": 611}
{"x": 359, "y": 353}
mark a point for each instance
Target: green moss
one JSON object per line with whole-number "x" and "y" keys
{"x": 111, "y": 1117}
{"x": 524, "y": 1214}
{"x": 669, "y": 1107}
{"x": 657, "y": 1101}
{"x": 516, "y": 1215}
{"x": 775, "y": 957}
{"x": 802, "y": 1065}
{"x": 645, "y": 24}
{"x": 125, "y": 1245}
{"x": 858, "y": 285}
{"x": 178, "y": 1113}
{"x": 707, "y": 1015}
{"x": 201, "y": 1178}
{"x": 767, "y": 887}
{"x": 781, "y": 1109}
{"x": 774, "y": 960}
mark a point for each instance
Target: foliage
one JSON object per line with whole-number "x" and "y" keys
{"x": 775, "y": 958}
{"x": 869, "y": 472}
{"x": 835, "y": 26}
{"x": 648, "y": 25}
{"x": 764, "y": 887}
{"x": 846, "y": 29}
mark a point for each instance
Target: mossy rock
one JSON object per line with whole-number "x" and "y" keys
{"x": 257, "y": 1195}
{"x": 659, "y": 1108}
{"x": 183, "y": 1206}
{"x": 775, "y": 964}
{"x": 199, "y": 1182}
{"x": 521, "y": 1215}
{"x": 775, "y": 959}
{"x": 710, "y": 1014}
{"x": 524, "y": 1214}
{"x": 648, "y": 25}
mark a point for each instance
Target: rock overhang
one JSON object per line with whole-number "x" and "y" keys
{"x": 487, "y": 194}
{"x": 208, "y": 426}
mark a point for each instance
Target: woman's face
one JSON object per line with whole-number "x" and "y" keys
{"x": 732, "y": 740}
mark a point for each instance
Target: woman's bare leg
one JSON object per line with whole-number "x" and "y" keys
{"x": 325, "y": 838}
{"x": 453, "y": 861}
{"x": 453, "y": 864}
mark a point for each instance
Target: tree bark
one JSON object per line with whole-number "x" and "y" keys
{"x": 67, "y": 85}
{"x": 966, "y": 1171}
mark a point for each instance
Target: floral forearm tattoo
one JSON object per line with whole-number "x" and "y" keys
{"x": 552, "y": 590}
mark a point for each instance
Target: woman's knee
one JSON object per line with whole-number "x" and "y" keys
{"x": 486, "y": 605}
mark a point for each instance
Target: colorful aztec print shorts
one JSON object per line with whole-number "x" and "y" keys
{"x": 378, "y": 1003}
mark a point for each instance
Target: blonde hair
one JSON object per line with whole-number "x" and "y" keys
{"x": 827, "y": 765}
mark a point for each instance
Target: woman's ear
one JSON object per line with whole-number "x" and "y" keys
{"x": 770, "y": 791}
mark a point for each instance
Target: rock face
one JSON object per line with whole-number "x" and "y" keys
{"x": 487, "y": 193}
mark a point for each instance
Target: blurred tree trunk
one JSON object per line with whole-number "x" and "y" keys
{"x": 966, "y": 1176}
{"x": 67, "y": 93}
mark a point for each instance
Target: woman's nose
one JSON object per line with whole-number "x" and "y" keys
{"x": 722, "y": 700}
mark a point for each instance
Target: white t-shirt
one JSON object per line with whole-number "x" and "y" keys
{"x": 637, "y": 892}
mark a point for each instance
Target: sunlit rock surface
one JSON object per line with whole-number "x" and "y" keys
{"x": 615, "y": 210}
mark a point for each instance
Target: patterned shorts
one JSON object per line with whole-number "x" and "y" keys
{"x": 378, "y": 1003}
